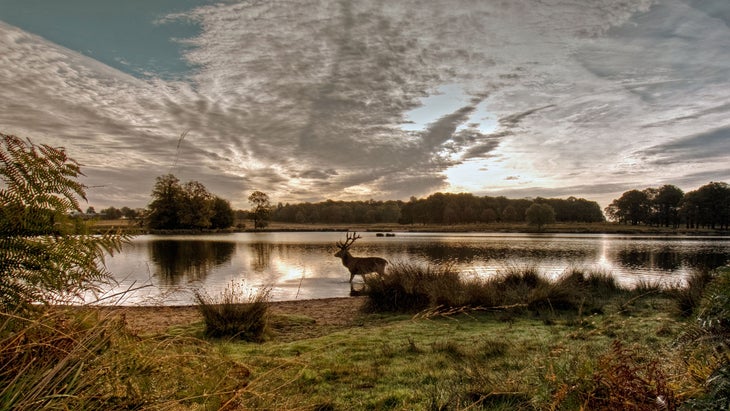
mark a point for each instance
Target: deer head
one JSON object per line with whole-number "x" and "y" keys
{"x": 344, "y": 247}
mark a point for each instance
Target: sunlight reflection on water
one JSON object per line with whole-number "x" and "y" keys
{"x": 301, "y": 265}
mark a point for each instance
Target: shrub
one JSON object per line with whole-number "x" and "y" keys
{"x": 234, "y": 315}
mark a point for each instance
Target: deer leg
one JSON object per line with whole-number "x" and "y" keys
{"x": 352, "y": 276}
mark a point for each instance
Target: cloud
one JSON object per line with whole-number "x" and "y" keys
{"x": 318, "y": 174}
{"x": 691, "y": 149}
{"x": 514, "y": 119}
{"x": 311, "y": 102}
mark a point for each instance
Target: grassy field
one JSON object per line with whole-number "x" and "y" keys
{"x": 478, "y": 360}
{"x": 517, "y": 342}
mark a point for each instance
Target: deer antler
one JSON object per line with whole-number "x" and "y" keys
{"x": 348, "y": 241}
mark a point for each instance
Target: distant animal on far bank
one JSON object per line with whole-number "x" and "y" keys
{"x": 359, "y": 265}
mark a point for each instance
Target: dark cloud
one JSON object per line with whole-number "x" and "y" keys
{"x": 318, "y": 174}
{"x": 514, "y": 119}
{"x": 700, "y": 147}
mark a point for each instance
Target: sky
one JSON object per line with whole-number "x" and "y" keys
{"x": 310, "y": 100}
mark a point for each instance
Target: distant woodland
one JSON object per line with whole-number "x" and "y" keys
{"x": 190, "y": 206}
{"x": 669, "y": 206}
{"x": 439, "y": 208}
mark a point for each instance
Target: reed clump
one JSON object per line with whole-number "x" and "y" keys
{"x": 689, "y": 296}
{"x": 236, "y": 313}
{"x": 409, "y": 287}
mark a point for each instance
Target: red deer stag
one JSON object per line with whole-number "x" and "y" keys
{"x": 359, "y": 265}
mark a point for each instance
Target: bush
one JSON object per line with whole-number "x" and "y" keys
{"x": 233, "y": 315}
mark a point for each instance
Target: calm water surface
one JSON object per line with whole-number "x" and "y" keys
{"x": 166, "y": 269}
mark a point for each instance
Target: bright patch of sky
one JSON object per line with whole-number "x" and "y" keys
{"x": 446, "y": 100}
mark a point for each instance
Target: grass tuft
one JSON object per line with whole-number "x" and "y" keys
{"x": 443, "y": 291}
{"x": 235, "y": 315}
{"x": 688, "y": 297}
{"x": 409, "y": 287}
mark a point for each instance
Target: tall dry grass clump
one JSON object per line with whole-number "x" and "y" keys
{"x": 49, "y": 360}
{"x": 75, "y": 359}
{"x": 689, "y": 296}
{"x": 408, "y": 287}
{"x": 235, "y": 313}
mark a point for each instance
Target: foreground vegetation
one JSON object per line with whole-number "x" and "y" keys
{"x": 425, "y": 341}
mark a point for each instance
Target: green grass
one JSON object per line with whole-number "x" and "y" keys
{"x": 446, "y": 363}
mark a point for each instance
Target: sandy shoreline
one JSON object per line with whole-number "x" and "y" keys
{"x": 325, "y": 312}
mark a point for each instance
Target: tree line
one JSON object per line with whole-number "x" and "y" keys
{"x": 190, "y": 206}
{"x": 669, "y": 206}
{"x": 438, "y": 208}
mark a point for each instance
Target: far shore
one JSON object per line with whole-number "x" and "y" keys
{"x": 131, "y": 227}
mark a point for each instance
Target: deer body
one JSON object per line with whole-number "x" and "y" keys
{"x": 359, "y": 265}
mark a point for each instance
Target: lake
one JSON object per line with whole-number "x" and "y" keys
{"x": 164, "y": 270}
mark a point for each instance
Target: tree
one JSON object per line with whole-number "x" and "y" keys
{"x": 708, "y": 206}
{"x": 488, "y": 215}
{"x": 261, "y": 209}
{"x": 540, "y": 214}
{"x": 666, "y": 205}
{"x": 45, "y": 256}
{"x": 196, "y": 209}
{"x": 223, "y": 216}
{"x": 189, "y": 206}
{"x": 509, "y": 214}
{"x": 111, "y": 213}
{"x": 128, "y": 213}
{"x": 167, "y": 195}
{"x": 632, "y": 206}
